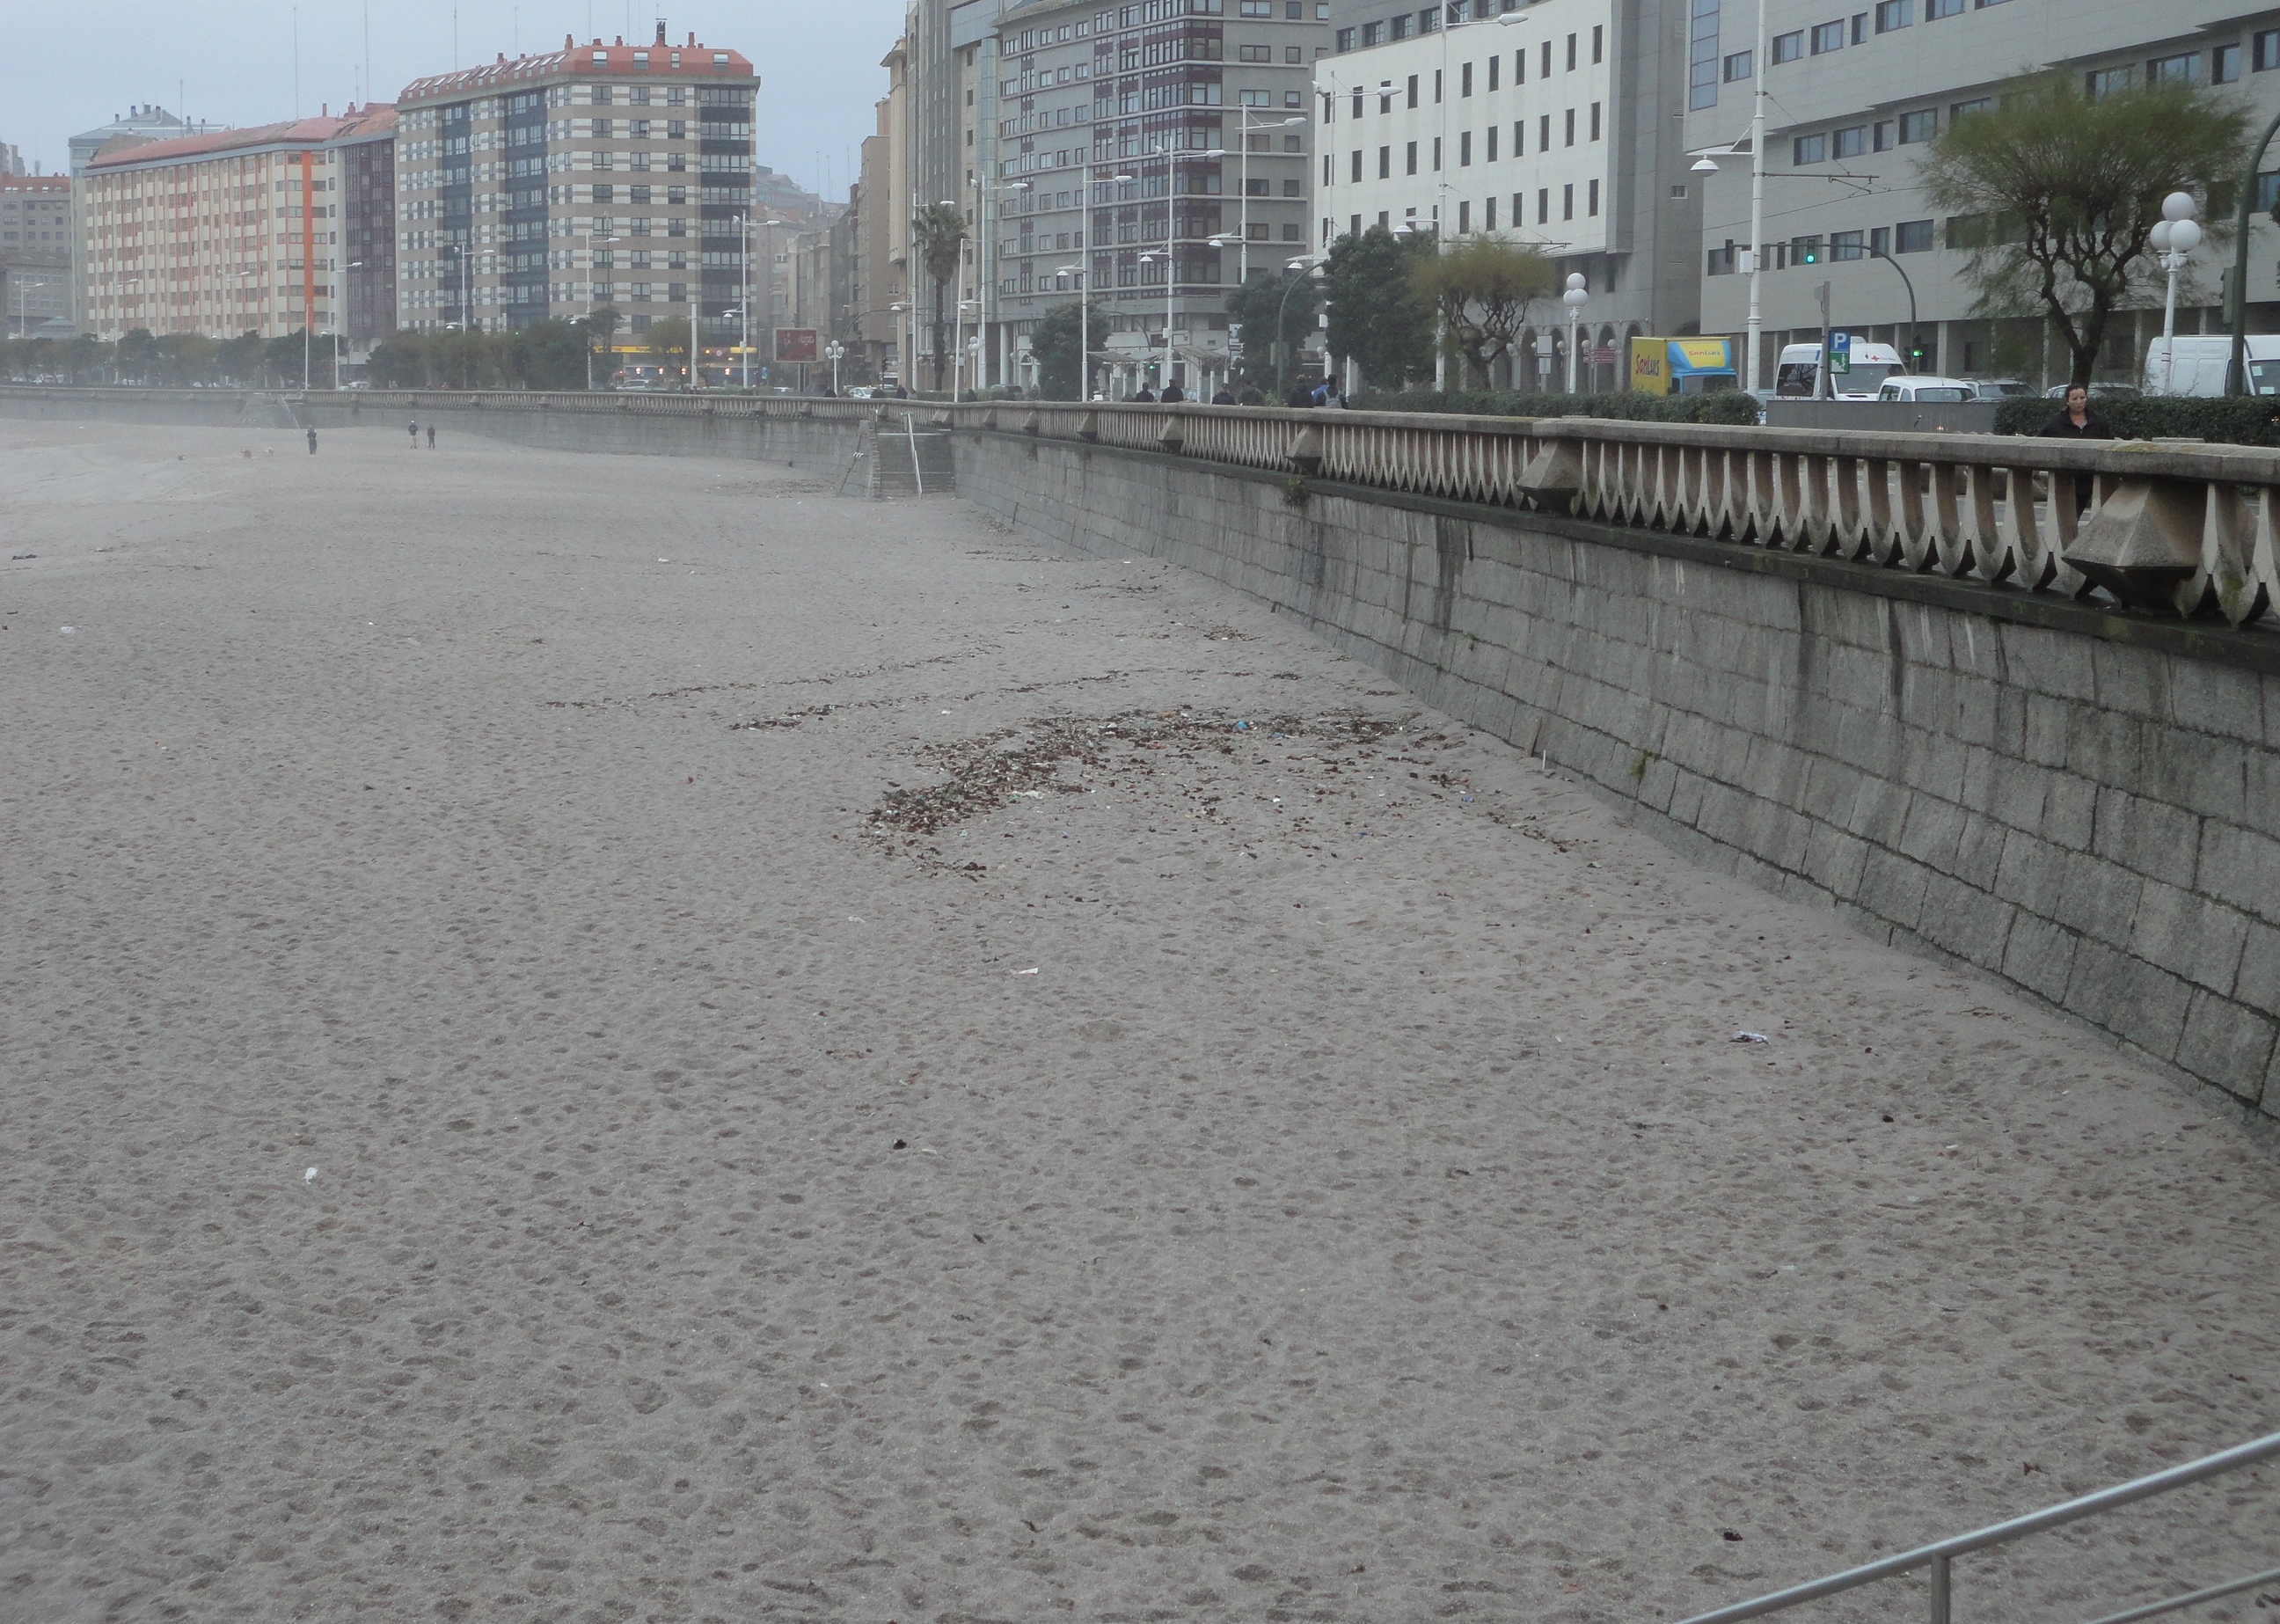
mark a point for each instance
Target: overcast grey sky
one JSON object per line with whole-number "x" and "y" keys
{"x": 232, "y": 63}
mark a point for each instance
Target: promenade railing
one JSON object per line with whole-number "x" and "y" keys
{"x": 2169, "y": 527}
{"x": 1937, "y": 1559}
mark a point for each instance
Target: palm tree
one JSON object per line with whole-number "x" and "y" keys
{"x": 938, "y": 231}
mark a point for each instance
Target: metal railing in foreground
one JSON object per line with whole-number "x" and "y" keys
{"x": 1939, "y": 1556}
{"x": 2171, "y": 528}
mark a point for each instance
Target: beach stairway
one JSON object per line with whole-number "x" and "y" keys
{"x": 895, "y": 457}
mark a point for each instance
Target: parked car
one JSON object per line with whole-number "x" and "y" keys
{"x": 859, "y": 391}
{"x": 2098, "y": 391}
{"x": 2003, "y": 388}
{"x": 1944, "y": 390}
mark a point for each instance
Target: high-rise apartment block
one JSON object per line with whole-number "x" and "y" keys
{"x": 1855, "y": 98}
{"x": 36, "y": 253}
{"x": 235, "y": 231}
{"x": 1548, "y": 125}
{"x": 595, "y": 175}
{"x": 1154, "y": 151}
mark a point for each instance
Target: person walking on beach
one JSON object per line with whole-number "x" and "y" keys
{"x": 412, "y": 429}
{"x": 431, "y": 434}
{"x": 312, "y": 439}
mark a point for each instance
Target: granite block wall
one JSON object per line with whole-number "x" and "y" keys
{"x": 2077, "y": 810}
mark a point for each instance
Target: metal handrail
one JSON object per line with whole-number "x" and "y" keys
{"x": 1939, "y": 1555}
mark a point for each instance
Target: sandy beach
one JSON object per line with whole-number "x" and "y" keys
{"x": 612, "y": 1038}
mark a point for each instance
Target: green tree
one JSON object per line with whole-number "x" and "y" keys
{"x": 185, "y": 358}
{"x": 1055, "y": 342}
{"x": 282, "y": 360}
{"x": 2056, "y": 193}
{"x": 138, "y": 355}
{"x": 1376, "y": 317}
{"x": 668, "y": 341}
{"x": 547, "y": 355}
{"x": 938, "y": 233}
{"x": 82, "y": 356}
{"x": 403, "y": 360}
{"x": 1298, "y": 299}
{"x": 238, "y": 360}
{"x": 464, "y": 358}
{"x": 1483, "y": 288}
{"x": 601, "y": 326}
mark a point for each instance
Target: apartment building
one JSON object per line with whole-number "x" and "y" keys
{"x": 1853, "y": 98}
{"x": 36, "y": 254}
{"x": 145, "y": 121}
{"x": 599, "y": 174}
{"x": 1547, "y": 124}
{"x": 1153, "y": 150}
{"x": 880, "y": 316}
{"x": 231, "y": 231}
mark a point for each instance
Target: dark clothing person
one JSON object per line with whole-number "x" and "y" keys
{"x": 431, "y": 436}
{"x": 1300, "y": 395}
{"x": 312, "y": 441}
{"x": 412, "y": 429}
{"x": 1146, "y": 395}
{"x": 1172, "y": 396}
{"x": 1225, "y": 397}
{"x": 2076, "y": 422}
{"x": 2064, "y": 428}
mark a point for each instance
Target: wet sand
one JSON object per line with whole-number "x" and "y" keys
{"x": 608, "y": 1038}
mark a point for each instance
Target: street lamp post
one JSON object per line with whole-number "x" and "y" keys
{"x": 1575, "y": 299}
{"x": 2174, "y": 238}
{"x": 1280, "y": 352}
{"x": 1084, "y": 326}
{"x": 986, "y": 280}
{"x": 591, "y": 266}
{"x": 832, "y": 352}
{"x": 1243, "y": 172}
{"x": 1878, "y": 253}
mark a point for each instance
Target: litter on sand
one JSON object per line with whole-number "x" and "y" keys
{"x": 1032, "y": 970}
{"x": 1748, "y": 1038}
{"x": 309, "y": 1177}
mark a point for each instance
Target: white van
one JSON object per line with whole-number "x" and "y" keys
{"x": 1943, "y": 391}
{"x": 1800, "y": 371}
{"x": 2201, "y": 360}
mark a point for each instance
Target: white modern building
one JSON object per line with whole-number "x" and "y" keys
{"x": 1854, "y": 96}
{"x": 1546, "y": 124}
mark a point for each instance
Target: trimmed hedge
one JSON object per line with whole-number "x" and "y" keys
{"x": 2233, "y": 420}
{"x": 1720, "y": 406}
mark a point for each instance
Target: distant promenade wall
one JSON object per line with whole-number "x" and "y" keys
{"x": 1786, "y": 651}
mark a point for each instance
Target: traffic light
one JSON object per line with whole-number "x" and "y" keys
{"x": 1810, "y": 254}
{"x": 1916, "y": 356}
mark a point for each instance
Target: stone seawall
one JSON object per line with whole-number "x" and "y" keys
{"x": 818, "y": 445}
{"x": 2083, "y": 803}
{"x": 2080, "y": 803}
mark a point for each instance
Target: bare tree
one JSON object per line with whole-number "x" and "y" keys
{"x": 2053, "y": 193}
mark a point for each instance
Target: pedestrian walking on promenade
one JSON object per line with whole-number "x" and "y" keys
{"x": 412, "y": 429}
{"x": 313, "y": 440}
{"x": 431, "y": 434}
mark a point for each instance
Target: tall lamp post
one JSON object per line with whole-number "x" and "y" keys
{"x": 1280, "y": 352}
{"x": 1242, "y": 171}
{"x": 1171, "y": 242}
{"x": 986, "y": 280}
{"x": 832, "y": 351}
{"x": 2174, "y": 239}
{"x": 1577, "y": 296}
{"x": 591, "y": 266}
{"x": 1084, "y": 326}
{"x": 1878, "y": 253}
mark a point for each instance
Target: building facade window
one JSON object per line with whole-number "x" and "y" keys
{"x": 1827, "y": 37}
{"x": 1911, "y": 236}
{"x": 1787, "y": 47}
{"x": 1893, "y": 15}
{"x": 2225, "y": 64}
{"x": 2264, "y": 50}
{"x": 1808, "y": 150}
{"x": 1916, "y": 126}
{"x": 2184, "y": 68}
{"x": 1738, "y": 65}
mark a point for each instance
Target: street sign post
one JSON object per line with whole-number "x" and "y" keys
{"x": 1840, "y": 352}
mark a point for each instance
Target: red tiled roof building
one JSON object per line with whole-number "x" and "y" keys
{"x": 238, "y": 231}
{"x": 595, "y": 175}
